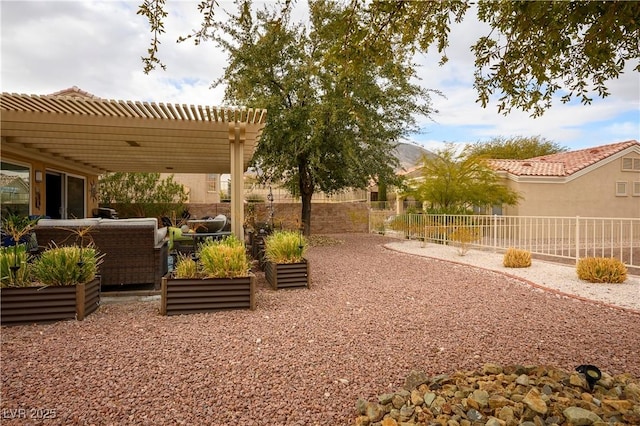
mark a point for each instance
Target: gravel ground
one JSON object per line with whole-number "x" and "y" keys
{"x": 303, "y": 357}
{"x": 544, "y": 274}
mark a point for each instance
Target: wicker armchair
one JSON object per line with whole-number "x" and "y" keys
{"x": 135, "y": 251}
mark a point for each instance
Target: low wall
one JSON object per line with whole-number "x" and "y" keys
{"x": 326, "y": 218}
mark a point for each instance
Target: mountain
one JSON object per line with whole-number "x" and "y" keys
{"x": 409, "y": 155}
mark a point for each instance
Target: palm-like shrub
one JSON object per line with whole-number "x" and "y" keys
{"x": 285, "y": 247}
{"x": 60, "y": 266}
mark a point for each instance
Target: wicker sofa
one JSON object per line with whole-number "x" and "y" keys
{"x": 136, "y": 250}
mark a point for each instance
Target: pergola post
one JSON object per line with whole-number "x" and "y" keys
{"x": 237, "y": 134}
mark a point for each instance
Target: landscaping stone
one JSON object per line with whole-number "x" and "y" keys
{"x": 506, "y": 396}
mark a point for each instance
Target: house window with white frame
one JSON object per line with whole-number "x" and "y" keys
{"x": 636, "y": 189}
{"x": 212, "y": 182}
{"x": 621, "y": 189}
{"x": 630, "y": 164}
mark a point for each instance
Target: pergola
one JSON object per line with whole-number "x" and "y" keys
{"x": 95, "y": 136}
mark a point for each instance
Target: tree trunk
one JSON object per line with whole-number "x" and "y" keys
{"x": 306, "y": 192}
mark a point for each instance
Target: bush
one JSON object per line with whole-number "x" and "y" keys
{"x": 463, "y": 237}
{"x": 516, "y": 258}
{"x": 601, "y": 270}
{"x": 226, "y": 258}
{"x": 14, "y": 266}
{"x": 186, "y": 267}
{"x": 285, "y": 247}
{"x": 71, "y": 265}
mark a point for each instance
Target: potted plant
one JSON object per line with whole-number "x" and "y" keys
{"x": 285, "y": 264}
{"x": 61, "y": 283}
{"x": 217, "y": 278}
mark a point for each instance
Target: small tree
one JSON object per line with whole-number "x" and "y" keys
{"x": 515, "y": 148}
{"x": 142, "y": 194}
{"x": 455, "y": 184}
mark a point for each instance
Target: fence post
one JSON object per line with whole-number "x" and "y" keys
{"x": 495, "y": 232}
{"x": 577, "y": 239}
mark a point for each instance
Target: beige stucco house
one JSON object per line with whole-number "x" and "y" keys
{"x": 59, "y": 144}
{"x": 602, "y": 181}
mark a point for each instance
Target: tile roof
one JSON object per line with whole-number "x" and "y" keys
{"x": 74, "y": 92}
{"x": 563, "y": 163}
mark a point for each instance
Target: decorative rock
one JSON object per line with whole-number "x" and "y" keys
{"x": 397, "y": 401}
{"x": 415, "y": 379}
{"x": 385, "y": 398}
{"x": 481, "y": 397}
{"x": 363, "y": 421}
{"x": 428, "y": 398}
{"x": 492, "y": 421}
{"x": 621, "y": 405}
{"x": 388, "y": 421}
{"x": 578, "y": 380}
{"x": 534, "y": 402}
{"x": 491, "y": 369}
{"x": 416, "y": 397}
{"x": 406, "y": 413}
{"x": 474, "y": 415}
{"x": 506, "y": 414}
{"x": 497, "y": 401}
{"x": 523, "y": 380}
{"x": 579, "y": 416}
{"x": 375, "y": 411}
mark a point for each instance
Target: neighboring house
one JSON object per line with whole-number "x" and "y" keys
{"x": 201, "y": 188}
{"x": 603, "y": 181}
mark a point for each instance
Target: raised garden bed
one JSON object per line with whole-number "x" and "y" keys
{"x": 28, "y": 305}
{"x": 287, "y": 275}
{"x": 189, "y": 296}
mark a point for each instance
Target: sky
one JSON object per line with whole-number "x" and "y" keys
{"x": 47, "y": 46}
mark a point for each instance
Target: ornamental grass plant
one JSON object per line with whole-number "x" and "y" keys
{"x": 225, "y": 258}
{"x": 601, "y": 270}
{"x": 65, "y": 266}
{"x": 285, "y": 247}
{"x": 14, "y": 266}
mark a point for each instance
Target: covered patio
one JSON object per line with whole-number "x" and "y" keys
{"x": 82, "y": 135}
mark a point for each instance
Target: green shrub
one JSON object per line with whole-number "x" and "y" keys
{"x": 516, "y": 258}
{"x": 601, "y": 270}
{"x": 14, "y": 266}
{"x": 72, "y": 265}
{"x": 226, "y": 258}
{"x": 186, "y": 267}
{"x": 285, "y": 247}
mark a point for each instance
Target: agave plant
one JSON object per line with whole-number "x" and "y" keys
{"x": 285, "y": 247}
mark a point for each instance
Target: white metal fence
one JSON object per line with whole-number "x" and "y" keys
{"x": 560, "y": 237}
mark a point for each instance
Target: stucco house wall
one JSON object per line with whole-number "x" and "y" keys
{"x": 587, "y": 192}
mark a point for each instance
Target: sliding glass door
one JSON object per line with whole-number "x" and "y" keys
{"x": 65, "y": 195}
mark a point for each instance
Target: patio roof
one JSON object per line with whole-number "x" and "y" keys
{"x": 99, "y": 135}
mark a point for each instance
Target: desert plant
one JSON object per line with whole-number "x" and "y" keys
{"x": 463, "y": 237}
{"x": 516, "y": 258}
{"x": 14, "y": 266}
{"x": 69, "y": 265}
{"x": 186, "y": 267}
{"x": 285, "y": 247}
{"x": 601, "y": 270}
{"x": 225, "y": 258}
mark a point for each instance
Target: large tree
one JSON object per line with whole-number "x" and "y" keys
{"x": 454, "y": 183}
{"x": 515, "y": 148}
{"x": 534, "y": 50}
{"x": 331, "y": 127}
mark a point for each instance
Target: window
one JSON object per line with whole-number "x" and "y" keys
{"x": 630, "y": 164}
{"x": 212, "y": 183}
{"x": 621, "y": 189}
{"x": 636, "y": 189}
{"x": 15, "y": 188}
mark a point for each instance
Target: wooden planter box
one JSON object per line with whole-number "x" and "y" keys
{"x": 287, "y": 275}
{"x": 190, "y": 296}
{"x": 27, "y": 305}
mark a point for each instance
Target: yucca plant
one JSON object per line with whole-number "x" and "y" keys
{"x": 14, "y": 266}
{"x": 62, "y": 266}
{"x": 285, "y": 247}
{"x": 225, "y": 258}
